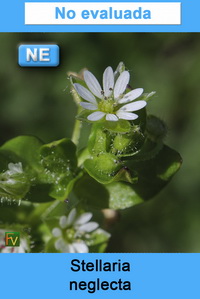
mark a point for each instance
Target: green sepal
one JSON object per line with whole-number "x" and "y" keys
{"x": 147, "y": 96}
{"x": 121, "y": 126}
{"x": 82, "y": 116}
{"x": 76, "y": 79}
{"x": 99, "y": 140}
{"x": 129, "y": 144}
{"x": 103, "y": 167}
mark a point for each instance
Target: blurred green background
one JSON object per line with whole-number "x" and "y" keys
{"x": 37, "y": 101}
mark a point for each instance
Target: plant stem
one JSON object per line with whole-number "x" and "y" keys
{"x": 78, "y": 125}
{"x": 76, "y": 132}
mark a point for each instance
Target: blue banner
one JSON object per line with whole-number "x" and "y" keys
{"x": 96, "y": 275}
{"x": 81, "y": 16}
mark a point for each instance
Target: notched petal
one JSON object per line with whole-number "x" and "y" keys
{"x": 121, "y": 84}
{"x": 84, "y": 93}
{"x": 96, "y": 116}
{"x": 71, "y": 217}
{"x": 93, "y": 84}
{"x": 63, "y": 221}
{"x": 131, "y": 96}
{"x": 126, "y": 115}
{"x": 88, "y": 227}
{"x": 83, "y": 218}
{"x": 108, "y": 81}
{"x": 111, "y": 117}
{"x": 88, "y": 106}
{"x": 133, "y": 106}
{"x": 80, "y": 247}
{"x": 56, "y": 232}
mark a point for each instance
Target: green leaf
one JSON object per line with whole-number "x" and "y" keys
{"x": 122, "y": 195}
{"x": 18, "y": 163}
{"x": 148, "y": 151}
{"x": 56, "y": 209}
{"x": 15, "y": 212}
{"x": 83, "y": 155}
{"x": 91, "y": 193}
{"x": 59, "y": 162}
{"x": 47, "y": 171}
{"x": 155, "y": 173}
{"x": 23, "y": 149}
{"x": 39, "y": 193}
{"x": 21, "y": 163}
{"x": 156, "y": 129}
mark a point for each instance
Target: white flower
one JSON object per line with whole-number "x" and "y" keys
{"x": 23, "y": 248}
{"x": 72, "y": 231}
{"x": 110, "y": 102}
{"x": 14, "y": 168}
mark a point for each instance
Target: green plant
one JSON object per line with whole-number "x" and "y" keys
{"x": 55, "y": 187}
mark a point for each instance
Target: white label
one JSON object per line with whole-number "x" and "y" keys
{"x": 103, "y": 13}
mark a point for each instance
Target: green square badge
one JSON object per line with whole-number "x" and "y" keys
{"x": 12, "y": 239}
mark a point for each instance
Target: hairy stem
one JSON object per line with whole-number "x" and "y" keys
{"x": 78, "y": 125}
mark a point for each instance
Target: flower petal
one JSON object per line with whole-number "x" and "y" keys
{"x": 133, "y": 106}
{"x": 60, "y": 244}
{"x": 96, "y": 116}
{"x": 71, "y": 217}
{"x": 126, "y": 115}
{"x": 111, "y": 117}
{"x": 84, "y": 93}
{"x": 82, "y": 219}
{"x": 121, "y": 84}
{"x": 63, "y": 221}
{"x": 70, "y": 248}
{"x": 80, "y": 247}
{"x": 56, "y": 232}
{"x": 93, "y": 84}
{"x": 108, "y": 81}
{"x": 15, "y": 168}
{"x": 88, "y": 227}
{"x": 88, "y": 106}
{"x": 132, "y": 95}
